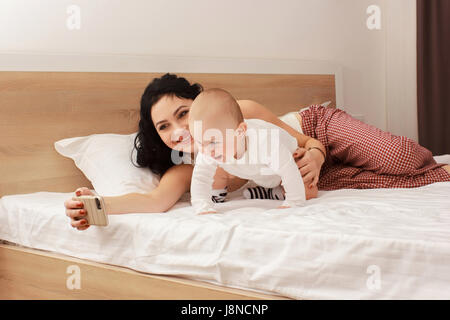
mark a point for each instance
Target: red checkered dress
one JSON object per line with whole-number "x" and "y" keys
{"x": 360, "y": 156}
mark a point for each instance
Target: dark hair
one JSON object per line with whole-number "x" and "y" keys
{"x": 152, "y": 152}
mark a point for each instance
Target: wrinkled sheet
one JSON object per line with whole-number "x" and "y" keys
{"x": 346, "y": 244}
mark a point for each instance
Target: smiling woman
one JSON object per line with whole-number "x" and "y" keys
{"x": 163, "y": 126}
{"x": 172, "y": 129}
{"x": 164, "y": 131}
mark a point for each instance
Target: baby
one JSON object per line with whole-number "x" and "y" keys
{"x": 250, "y": 149}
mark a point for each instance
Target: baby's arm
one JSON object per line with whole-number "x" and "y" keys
{"x": 291, "y": 178}
{"x": 202, "y": 179}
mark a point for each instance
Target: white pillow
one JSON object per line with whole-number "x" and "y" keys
{"x": 105, "y": 159}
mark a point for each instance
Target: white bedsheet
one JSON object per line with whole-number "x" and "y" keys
{"x": 336, "y": 247}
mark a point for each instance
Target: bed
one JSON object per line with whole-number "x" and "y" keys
{"x": 346, "y": 244}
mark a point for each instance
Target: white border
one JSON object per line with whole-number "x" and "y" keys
{"x": 175, "y": 64}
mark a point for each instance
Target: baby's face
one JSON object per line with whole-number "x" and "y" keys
{"x": 214, "y": 137}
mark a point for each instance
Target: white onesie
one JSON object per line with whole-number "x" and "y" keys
{"x": 268, "y": 161}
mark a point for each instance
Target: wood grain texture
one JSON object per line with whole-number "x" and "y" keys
{"x": 33, "y": 274}
{"x": 39, "y": 108}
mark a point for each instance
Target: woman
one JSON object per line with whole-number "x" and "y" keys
{"x": 360, "y": 156}
{"x": 357, "y": 155}
{"x": 163, "y": 128}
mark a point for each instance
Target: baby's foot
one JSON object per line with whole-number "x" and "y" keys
{"x": 258, "y": 192}
{"x": 219, "y": 195}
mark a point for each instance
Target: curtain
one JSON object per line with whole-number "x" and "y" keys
{"x": 433, "y": 74}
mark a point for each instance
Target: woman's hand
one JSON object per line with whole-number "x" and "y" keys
{"x": 75, "y": 210}
{"x": 309, "y": 166}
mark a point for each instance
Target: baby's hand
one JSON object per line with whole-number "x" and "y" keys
{"x": 283, "y": 207}
{"x": 207, "y": 212}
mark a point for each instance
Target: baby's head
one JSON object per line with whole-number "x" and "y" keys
{"x": 217, "y": 124}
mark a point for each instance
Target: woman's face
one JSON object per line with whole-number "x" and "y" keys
{"x": 170, "y": 117}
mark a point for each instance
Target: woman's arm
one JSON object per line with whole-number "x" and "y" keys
{"x": 254, "y": 110}
{"x": 173, "y": 184}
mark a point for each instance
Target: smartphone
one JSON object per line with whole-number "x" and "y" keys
{"x": 95, "y": 208}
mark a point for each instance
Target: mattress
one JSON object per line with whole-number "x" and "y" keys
{"x": 345, "y": 244}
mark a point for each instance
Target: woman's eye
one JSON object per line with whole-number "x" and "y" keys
{"x": 163, "y": 127}
{"x": 183, "y": 113}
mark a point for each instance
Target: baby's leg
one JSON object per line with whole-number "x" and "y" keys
{"x": 234, "y": 183}
{"x": 259, "y": 192}
{"x": 219, "y": 187}
{"x": 276, "y": 193}
{"x": 220, "y": 179}
{"x": 310, "y": 193}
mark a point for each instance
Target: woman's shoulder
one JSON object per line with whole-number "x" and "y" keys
{"x": 179, "y": 174}
{"x": 247, "y": 104}
{"x": 245, "y": 101}
{"x": 251, "y": 109}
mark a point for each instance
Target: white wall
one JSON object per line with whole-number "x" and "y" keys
{"x": 331, "y": 30}
{"x": 401, "y": 68}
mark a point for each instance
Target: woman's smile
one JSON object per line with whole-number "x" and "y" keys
{"x": 187, "y": 140}
{"x": 181, "y": 136}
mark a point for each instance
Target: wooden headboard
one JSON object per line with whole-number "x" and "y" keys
{"x": 39, "y": 108}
